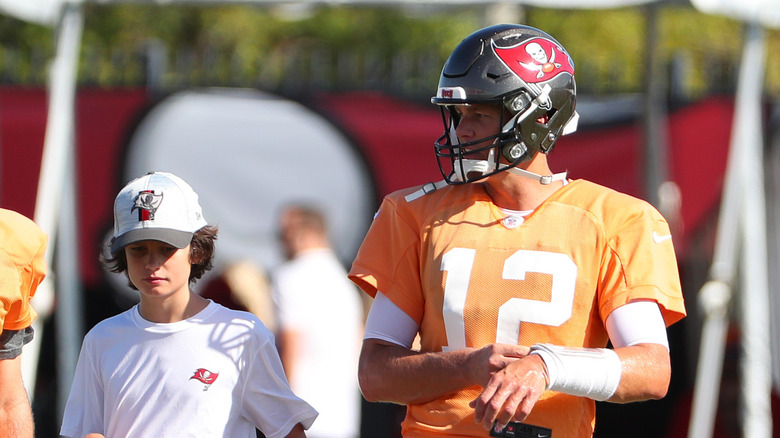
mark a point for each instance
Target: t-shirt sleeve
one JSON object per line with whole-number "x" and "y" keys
{"x": 84, "y": 408}
{"x": 268, "y": 400}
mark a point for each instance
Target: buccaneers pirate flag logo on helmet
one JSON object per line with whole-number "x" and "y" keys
{"x": 535, "y": 60}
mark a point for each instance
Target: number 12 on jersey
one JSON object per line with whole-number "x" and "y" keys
{"x": 459, "y": 262}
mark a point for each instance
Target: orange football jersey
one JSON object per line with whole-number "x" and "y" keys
{"x": 469, "y": 276}
{"x": 22, "y": 268}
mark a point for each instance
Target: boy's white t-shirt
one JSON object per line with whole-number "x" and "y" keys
{"x": 216, "y": 374}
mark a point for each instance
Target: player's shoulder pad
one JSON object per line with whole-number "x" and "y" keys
{"x": 590, "y": 192}
{"x": 611, "y": 205}
{"x": 424, "y": 190}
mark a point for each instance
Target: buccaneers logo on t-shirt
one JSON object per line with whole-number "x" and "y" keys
{"x": 535, "y": 60}
{"x": 205, "y": 376}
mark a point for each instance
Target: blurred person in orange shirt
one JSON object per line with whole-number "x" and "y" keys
{"x": 22, "y": 268}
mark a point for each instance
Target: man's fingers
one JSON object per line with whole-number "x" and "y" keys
{"x": 498, "y": 403}
{"x": 515, "y": 351}
{"x": 524, "y": 408}
{"x": 509, "y": 411}
{"x": 510, "y": 394}
{"x": 480, "y": 403}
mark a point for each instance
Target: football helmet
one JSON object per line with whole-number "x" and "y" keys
{"x": 524, "y": 70}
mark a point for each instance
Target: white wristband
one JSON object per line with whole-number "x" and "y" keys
{"x": 585, "y": 372}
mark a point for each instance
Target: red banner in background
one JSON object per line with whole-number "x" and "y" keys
{"x": 395, "y": 137}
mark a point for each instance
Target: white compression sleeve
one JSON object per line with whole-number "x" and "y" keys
{"x": 585, "y": 372}
{"x": 638, "y": 322}
{"x": 388, "y": 322}
{"x": 595, "y": 372}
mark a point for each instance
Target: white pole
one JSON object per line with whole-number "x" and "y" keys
{"x": 56, "y": 181}
{"x": 738, "y": 222}
{"x": 755, "y": 366}
{"x": 70, "y": 314}
{"x": 715, "y": 296}
{"x": 714, "y": 299}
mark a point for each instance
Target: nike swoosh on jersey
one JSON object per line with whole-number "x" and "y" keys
{"x": 657, "y": 238}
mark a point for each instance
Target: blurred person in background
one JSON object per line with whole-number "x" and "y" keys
{"x": 22, "y": 268}
{"x": 242, "y": 284}
{"x": 320, "y": 323}
{"x": 515, "y": 278}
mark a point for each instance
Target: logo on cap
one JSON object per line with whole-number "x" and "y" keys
{"x": 147, "y": 203}
{"x": 535, "y": 60}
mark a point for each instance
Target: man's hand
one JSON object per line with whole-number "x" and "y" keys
{"x": 511, "y": 392}
{"x": 485, "y": 362}
{"x": 392, "y": 373}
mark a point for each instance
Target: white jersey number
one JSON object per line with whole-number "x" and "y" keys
{"x": 458, "y": 264}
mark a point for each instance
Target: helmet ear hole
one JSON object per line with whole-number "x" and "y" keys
{"x": 544, "y": 119}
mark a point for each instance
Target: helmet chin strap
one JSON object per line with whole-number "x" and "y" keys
{"x": 464, "y": 167}
{"x": 543, "y": 179}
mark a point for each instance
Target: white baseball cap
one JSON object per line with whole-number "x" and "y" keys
{"x": 157, "y": 206}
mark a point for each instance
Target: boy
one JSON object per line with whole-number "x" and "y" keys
{"x": 176, "y": 364}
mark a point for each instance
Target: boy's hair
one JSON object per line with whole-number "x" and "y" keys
{"x": 202, "y": 248}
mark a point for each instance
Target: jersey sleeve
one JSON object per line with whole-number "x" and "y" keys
{"x": 641, "y": 264}
{"x": 388, "y": 259}
{"x": 22, "y": 268}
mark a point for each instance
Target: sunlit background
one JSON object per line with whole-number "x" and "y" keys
{"x": 261, "y": 103}
{"x": 400, "y": 48}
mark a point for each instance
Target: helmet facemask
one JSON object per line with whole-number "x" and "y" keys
{"x": 463, "y": 162}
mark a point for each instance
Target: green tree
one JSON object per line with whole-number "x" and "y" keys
{"x": 388, "y": 47}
